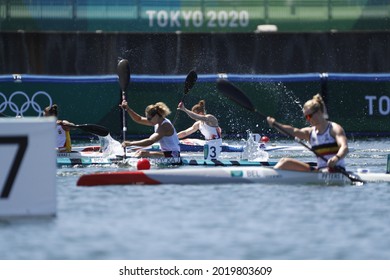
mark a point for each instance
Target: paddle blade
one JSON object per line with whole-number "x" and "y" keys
{"x": 234, "y": 94}
{"x": 123, "y": 70}
{"x": 190, "y": 81}
{"x": 354, "y": 179}
{"x": 93, "y": 128}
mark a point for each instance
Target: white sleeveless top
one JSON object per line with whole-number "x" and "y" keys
{"x": 63, "y": 139}
{"x": 61, "y": 136}
{"x": 325, "y": 145}
{"x": 209, "y": 132}
{"x": 169, "y": 143}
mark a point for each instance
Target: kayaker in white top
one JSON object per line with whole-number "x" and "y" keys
{"x": 64, "y": 142}
{"x": 327, "y": 138}
{"x": 164, "y": 132}
{"x": 207, "y": 124}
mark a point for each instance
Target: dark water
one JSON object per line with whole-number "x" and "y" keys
{"x": 248, "y": 221}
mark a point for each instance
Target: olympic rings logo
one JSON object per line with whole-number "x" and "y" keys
{"x": 22, "y": 107}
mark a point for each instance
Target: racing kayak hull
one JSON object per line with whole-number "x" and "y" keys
{"x": 223, "y": 175}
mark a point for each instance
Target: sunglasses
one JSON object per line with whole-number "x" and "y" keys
{"x": 309, "y": 116}
{"x": 152, "y": 114}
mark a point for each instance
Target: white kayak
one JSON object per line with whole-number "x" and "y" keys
{"x": 196, "y": 145}
{"x": 95, "y": 158}
{"x": 223, "y": 175}
{"x": 91, "y": 155}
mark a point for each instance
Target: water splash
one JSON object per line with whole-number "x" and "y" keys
{"x": 285, "y": 104}
{"x": 253, "y": 150}
{"x": 110, "y": 147}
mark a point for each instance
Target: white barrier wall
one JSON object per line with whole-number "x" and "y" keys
{"x": 27, "y": 166}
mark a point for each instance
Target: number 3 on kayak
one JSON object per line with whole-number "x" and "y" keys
{"x": 212, "y": 149}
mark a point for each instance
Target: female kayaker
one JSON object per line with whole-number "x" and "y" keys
{"x": 207, "y": 124}
{"x": 326, "y": 138}
{"x": 164, "y": 132}
{"x": 64, "y": 143}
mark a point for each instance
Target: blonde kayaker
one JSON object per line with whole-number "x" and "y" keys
{"x": 164, "y": 132}
{"x": 326, "y": 138}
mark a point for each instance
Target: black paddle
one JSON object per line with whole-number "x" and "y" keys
{"x": 123, "y": 70}
{"x": 124, "y": 80}
{"x": 236, "y": 95}
{"x": 188, "y": 84}
{"x": 91, "y": 128}
{"x": 2, "y": 115}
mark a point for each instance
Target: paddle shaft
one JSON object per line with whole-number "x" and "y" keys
{"x": 177, "y": 111}
{"x": 124, "y": 126}
{"x": 91, "y": 128}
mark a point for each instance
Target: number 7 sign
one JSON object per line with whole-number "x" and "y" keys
{"x": 21, "y": 142}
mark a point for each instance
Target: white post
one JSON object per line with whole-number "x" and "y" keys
{"x": 27, "y": 167}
